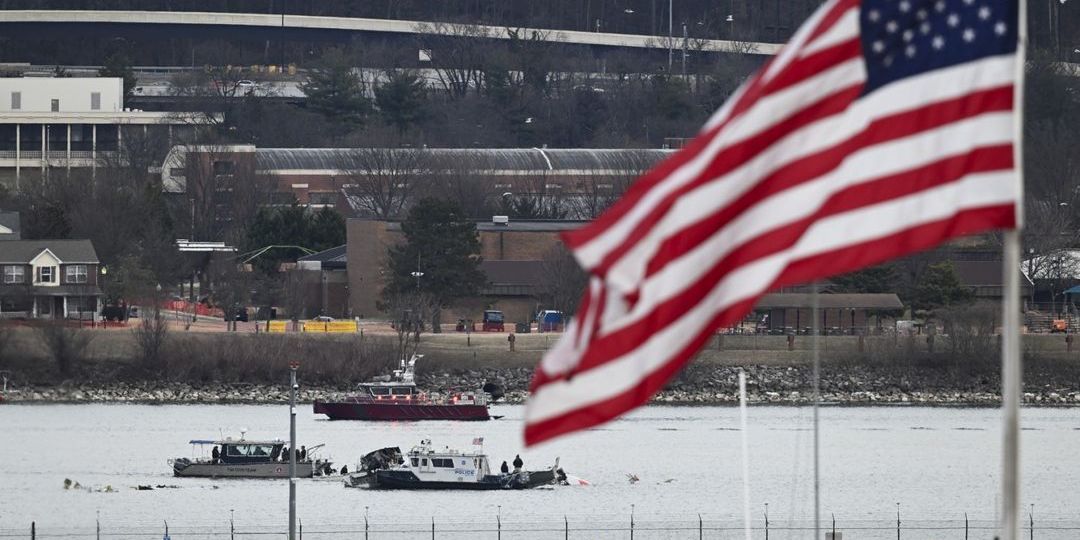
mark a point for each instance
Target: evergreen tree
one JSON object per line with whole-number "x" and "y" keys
{"x": 118, "y": 64}
{"x": 876, "y": 279}
{"x": 336, "y": 91}
{"x": 443, "y": 244}
{"x": 940, "y": 287}
{"x": 401, "y": 100}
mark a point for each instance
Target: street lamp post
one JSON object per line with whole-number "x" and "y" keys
{"x": 293, "y": 366}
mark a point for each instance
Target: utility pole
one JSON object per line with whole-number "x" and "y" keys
{"x": 670, "y": 35}
{"x": 293, "y": 366}
{"x": 685, "y": 44}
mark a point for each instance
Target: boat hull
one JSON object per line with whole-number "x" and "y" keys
{"x": 404, "y": 479}
{"x": 343, "y": 410}
{"x": 250, "y": 470}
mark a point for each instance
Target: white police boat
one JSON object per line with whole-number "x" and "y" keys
{"x": 424, "y": 467}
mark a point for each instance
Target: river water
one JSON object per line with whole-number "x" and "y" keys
{"x": 937, "y": 463}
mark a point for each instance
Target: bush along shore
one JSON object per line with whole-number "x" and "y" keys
{"x": 699, "y": 384}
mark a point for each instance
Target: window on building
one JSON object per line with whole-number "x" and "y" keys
{"x": 55, "y": 105}
{"x": 75, "y": 273}
{"x": 46, "y": 274}
{"x": 322, "y": 198}
{"x": 16, "y": 101}
{"x": 95, "y": 101}
{"x": 223, "y": 168}
{"x": 14, "y": 274}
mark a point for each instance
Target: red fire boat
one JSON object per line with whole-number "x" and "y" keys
{"x": 399, "y": 399}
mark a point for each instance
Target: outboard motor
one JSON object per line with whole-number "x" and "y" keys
{"x": 494, "y": 390}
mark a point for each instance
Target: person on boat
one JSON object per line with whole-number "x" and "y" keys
{"x": 344, "y": 469}
{"x": 215, "y": 454}
{"x": 303, "y": 453}
{"x": 505, "y": 468}
{"x": 518, "y": 464}
{"x": 285, "y": 454}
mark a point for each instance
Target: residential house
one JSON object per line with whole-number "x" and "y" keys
{"x": 49, "y": 279}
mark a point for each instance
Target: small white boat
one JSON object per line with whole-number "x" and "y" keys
{"x": 424, "y": 467}
{"x": 243, "y": 458}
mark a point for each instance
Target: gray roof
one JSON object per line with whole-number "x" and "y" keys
{"x": 831, "y": 301}
{"x": 500, "y": 159}
{"x": 9, "y": 220}
{"x": 335, "y": 257}
{"x": 68, "y": 251}
{"x": 512, "y": 226}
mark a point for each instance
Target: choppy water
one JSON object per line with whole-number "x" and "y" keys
{"x": 937, "y": 463}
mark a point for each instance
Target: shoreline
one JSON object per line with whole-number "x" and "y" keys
{"x": 155, "y": 393}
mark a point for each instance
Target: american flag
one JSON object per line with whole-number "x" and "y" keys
{"x": 882, "y": 128}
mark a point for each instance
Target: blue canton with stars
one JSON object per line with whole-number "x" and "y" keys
{"x": 901, "y": 38}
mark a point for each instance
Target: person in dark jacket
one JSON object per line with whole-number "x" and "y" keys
{"x": 285, "y": 454}
{"x": 216, "y": 454}
{"x": 518, "y": 464}
{"x": 303, "y": 453}
{"x": 505, "y": 468}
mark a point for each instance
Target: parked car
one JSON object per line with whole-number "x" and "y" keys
{"x": 493, "y": 321}
{"x": 549, "y": 320}
{"x": 323, "y": 318}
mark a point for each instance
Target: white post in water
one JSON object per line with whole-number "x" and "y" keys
{"x": 293, "y": 366}
{"x": 745, "y": 453}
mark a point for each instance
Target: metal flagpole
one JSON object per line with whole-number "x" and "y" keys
{"x": 816, "y": 346}
{"x": 1011, "y": 361}
{"x": 745, "y": 453}
{"x": 293, "y": 366}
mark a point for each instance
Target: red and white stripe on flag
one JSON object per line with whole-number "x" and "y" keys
{"x": 836, "y": 155}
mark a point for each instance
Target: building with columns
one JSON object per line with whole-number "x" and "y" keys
{"x": 48, "y": 122}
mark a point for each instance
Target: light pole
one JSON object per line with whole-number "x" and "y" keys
{"x": 293, "y": 366}
{"x": 670, "y": 36}
{"x": 417, "y": 273}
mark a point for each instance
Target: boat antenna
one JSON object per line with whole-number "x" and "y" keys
{"x": 243, "y": 432}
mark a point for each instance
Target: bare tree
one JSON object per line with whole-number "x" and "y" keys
{"x": 464, "y": 178}
{"x": 66, "y": 345}
{"x": 382, "y": 181}
{"x": 459, "y": 55}
{"x": 563, "y": 280}
{"x": 409, "y": 310}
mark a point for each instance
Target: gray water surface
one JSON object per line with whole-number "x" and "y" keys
{"x": 937, "y": 463}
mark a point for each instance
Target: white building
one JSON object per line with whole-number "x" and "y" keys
{"x": 68, "y": 122}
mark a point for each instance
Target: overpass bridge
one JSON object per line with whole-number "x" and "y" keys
{"x": 347, "y": 24}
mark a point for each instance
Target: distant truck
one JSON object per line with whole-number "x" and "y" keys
{"x": 493, "y": 321}
{"x": 549, "y": 320}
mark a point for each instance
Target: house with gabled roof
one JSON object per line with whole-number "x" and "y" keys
{"x": 49, "y": 279}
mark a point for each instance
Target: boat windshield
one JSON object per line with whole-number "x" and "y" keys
{"x": 249, "y": 450}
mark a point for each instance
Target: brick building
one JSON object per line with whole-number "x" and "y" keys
{"x": 582, "y": 179}
{"x": 513, "y": 256}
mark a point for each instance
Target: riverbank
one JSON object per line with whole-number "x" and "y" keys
{"x": 698, "y": 385}
{"x": 245, "y": 368}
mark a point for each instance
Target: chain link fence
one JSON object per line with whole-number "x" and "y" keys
{"x": 682, "y": 527}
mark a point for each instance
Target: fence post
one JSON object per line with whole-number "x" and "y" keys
{"x": 566, "y": 528}
{"x": 1031, "y": 522}
{"x": 965, "y": 526}
{"x": 833, "y": 526}
{"x": 897, "y": 521}
{"x": 33, "y": 530}
{"x": 301, "y": 528}
{"x": 232, "y": 526}
{"x": 631, "y": 522}
{"x": 432, "y": 527}
{"x": 701, "y": 528}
